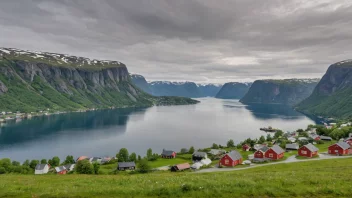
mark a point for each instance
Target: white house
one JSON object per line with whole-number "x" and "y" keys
{"x": 41, "y": 169}
{"x": 70, "y": 167}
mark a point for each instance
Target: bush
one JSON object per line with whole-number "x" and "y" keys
{"x": 33, "y": 164}
{"x": 2, "y": 170}
{"x": 215, "y": 146}
{"x": 143, "y": 166}
{"x": 84, "y": 167}
{"x": 320, "y": 142}
{"x": 96, "y": 168}
{"x": 191, "y": 150}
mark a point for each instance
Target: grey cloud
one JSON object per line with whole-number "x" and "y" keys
{"x": 201, "y": 40}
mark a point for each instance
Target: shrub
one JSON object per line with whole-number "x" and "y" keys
{"x": 84, "y": 167}
{"x": 33, "y": 164}
{"x": 143, "y": 166}
{"x": 214, "y": 146}
{"x": 96, "y": 168}
{"x": 191, "y": 150}
{"x": 2, "y": 170}
{"x": 43, "y": 161}
{"x": 320, "y": 142}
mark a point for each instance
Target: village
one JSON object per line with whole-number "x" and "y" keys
{"x": 279, "y": 147}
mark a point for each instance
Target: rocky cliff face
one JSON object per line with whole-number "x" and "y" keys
{"x": 287, "y": 91}
{"x": 333, "y": 95}
{"x": 141, "y": 83}
{"x": 233, "y": 90}
{"x": 35, "y": 81}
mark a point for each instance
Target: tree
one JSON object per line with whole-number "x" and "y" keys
{"x": 55, "y": 161}
{"x": 139, "y": 158}
{"x": 269, "y": 138}
{"x": 214, "y": 146}
{"x": 230, "y": 143}
{"x": 33, "y": 164}
{"x": 84, "y": 167}
{"x": 123, "y": 155}
{"x": 149, "y": 153}
{"x": 6, "y": 163}
{"x": 16, "y": 163}
{"x": 261, "y": 140}
{"x": 96, "y": 167}
{"x": 133, "y": 157}
{"x": 43, "y": 161}
{"x": 278, "y": 134}
{"x": 50, "y": 161}
{"x": 304, "y": 134}
{"x": 300, "y": 130}
{"x": 191, "y": 150}
{"x": 184, "y": 150}
{"x": 283, "y": 144}
{"x": 26, "y": 163}
{"x": 143, "y": 166}
{"x": 69, "y": 160}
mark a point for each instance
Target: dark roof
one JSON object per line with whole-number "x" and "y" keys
{"x": 199, "y": 154}
{"x": 264, "y": 149}
{"x": 126, "y": 164}
{"x": 40, "y": 166}
{"x": 343, "y": 145}
{"x": 311, "y": 147}
{"x": 94, "y": 159}
{"x": 167, "y": 152}
{"x": 277, "y": 149}
{"x": 234, "y": 155}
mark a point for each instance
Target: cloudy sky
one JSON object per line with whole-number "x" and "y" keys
{"x": 195, "y": 40}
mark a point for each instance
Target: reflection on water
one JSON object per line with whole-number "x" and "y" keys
{"x": 104, "y": 132}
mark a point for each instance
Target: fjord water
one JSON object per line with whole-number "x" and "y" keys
{"x": 103, "y": 133}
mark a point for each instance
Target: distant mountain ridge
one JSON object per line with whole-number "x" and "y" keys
{"x": 332, "y": 97}
{"x": 183, "y": 89}
{"x": 284, "y": 91}
{"x": 233, "y": 90}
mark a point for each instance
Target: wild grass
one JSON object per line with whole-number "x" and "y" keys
{"x": 326, "y": 178}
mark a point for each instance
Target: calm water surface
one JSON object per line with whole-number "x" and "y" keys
{"x": 103, "y": 133}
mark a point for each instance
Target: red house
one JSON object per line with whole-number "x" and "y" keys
{"x": 232, "y": 158}
{"x": 261, "y": 152}
{"x": 308, "y": 150}
{"x": 275, "y": 153}
{"x": 61, "y": 170}
{"x": 340, "y": 148}
{"x": 246, "y": 147}
{"x": 168, "y": 154}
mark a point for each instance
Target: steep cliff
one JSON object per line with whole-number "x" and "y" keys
{"x": 287, "y": 91}
{"x": 233, "y": 90}
{"x": 31, "y": 81}
{"x": 141, "y": 83}
{"x": 332, "y": 96}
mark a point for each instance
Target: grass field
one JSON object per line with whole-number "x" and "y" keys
{"x": 326, "y": 178}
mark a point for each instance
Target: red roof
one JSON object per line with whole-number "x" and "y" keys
{"x": 81, "y": 158}
{"x": 183, "y": 166}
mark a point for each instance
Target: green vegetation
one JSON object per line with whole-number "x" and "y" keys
{"x": 280, "y": 180}
{"x": 32, "y": 93}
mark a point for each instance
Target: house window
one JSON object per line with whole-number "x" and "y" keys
{"x": 271, "y": 155}
{"x": 227, "y": 161}
{"x": 304, "y": 152}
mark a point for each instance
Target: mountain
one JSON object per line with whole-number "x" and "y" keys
{"x": 286, "y": 91}
{"x": 233, "y": 90}
{"x": 141, "y": 83}
{"x": 166, "y": 88}
{"x": 332, "y": 97}
{"x": 32, "y": 81}
{"x": 209, "y": 90}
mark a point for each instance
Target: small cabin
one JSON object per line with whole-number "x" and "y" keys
{"x": 61, "y": 170}
{"x": 340, "y": 148}
{"x": 126, "y": 166}
{"x": 168, "y": 154}
{"x": 180, "y": 167}
{"x": 232, "y": 158}
{"x": 198, "y": 156}
{"x": 308, "y": 150}
{"x": 41, "y": 169}
{"x": 275, "y": 153}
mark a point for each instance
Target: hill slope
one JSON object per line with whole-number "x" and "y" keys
{"x": 332, "y": 97}
{"x": 141, "y": 83}
{"x": 287, "y": 91}
{"x": 31, "y": 81}
{"x": 233, "y": 90}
